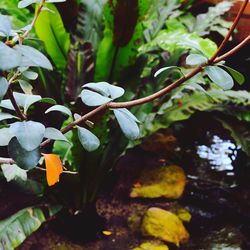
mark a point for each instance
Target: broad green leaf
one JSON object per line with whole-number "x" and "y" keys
{"x": 30, "y": 75}
{"x": 59, "y": 108}
{"x": 123, "y": 35}
{"x": 195, "y": 59}
{"x": 54, "y": 134}
{"x": 105, "y": 89}
{"x": 15, "y": 229}
{"x": 25, "y": 3}
{"x": 50, "y": 29}
{"x": 26, "y": 87}
{"x": 91, "y": 98}
{"x": 238, "y": 77}
{"x": 6, "y": 116}
{"x": 9, "y": 58}
{"x": 5, "y": 25}
{"x": 88, "y": 140}
{"x": 5, "y": 136}
{"x": 12, "y": 171}
{"x": 29, "y": 133}
{"x": 23, "y": 100}
{"x": 127, "y": 122}
{"x": 220, "y": 77}
{"x": 32, "y": 57}
{"x": 4, "y": 85}
{"x": 24, "y": 159}
{"x": 167, "y": 70}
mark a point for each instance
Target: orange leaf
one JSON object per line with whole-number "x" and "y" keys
{"x": 54, "y": 168}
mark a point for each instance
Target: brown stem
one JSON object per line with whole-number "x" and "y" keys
{"x": 231, "y": 30}
{"x": 6, "y": 160}
{"x": 26, "y": 33}
{"x": 21, "y": 115}
{"x": 232, "y": 51}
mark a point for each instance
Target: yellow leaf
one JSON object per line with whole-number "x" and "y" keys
{"x": 54, "y": 168}
{"x": 107, "y": 233}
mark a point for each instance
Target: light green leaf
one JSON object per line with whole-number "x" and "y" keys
{"x": 54, "y": 134}
{"x": 220, "y": 77}
{"x": 105, "y": 89}
{"x": 24, "y": 159}
{"x": 12, "y": 172}
{"x": 29, "y": 133}
{"x": 30, "y": 75}
{"x": 26, "y": 87}
{"x": 127, "y": 122}
{"x": 195, "y": 59}
{"x": 167, "y": 70}
{"x": 91, "y": 98}
{"x": 32, "y": 57}
{"x": 238, "y": 77}
{"x": 9, "y": 58}
{"x": 23, "y": 100}
{"x": 5, "y": 136}
{"x": 88, "y": 140}
{"x": 50, "y": 29}
{"x": 5, "y": 25}
{"x": 6, "y": 116}
{"x": 4, "y": 85}
{"x": 25, "y": 3}
{"x": 59, "y": 108}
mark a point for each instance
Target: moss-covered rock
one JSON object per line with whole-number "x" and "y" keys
{"x": 164, "y": 225}
{"x": 168, "y": 182}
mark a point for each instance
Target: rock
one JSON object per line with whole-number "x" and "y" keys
{"x": 152, "y": 245}
{"x": 164, "y": 225}
{"x": 168, "y": 182}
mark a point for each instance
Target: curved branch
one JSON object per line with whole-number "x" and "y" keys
{"x": 231, "y": 30}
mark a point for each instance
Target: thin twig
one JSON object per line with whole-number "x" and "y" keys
{"x": 6, "y": 160}
{"x": 64, "y": 172}
{"x": 231, "y": 30}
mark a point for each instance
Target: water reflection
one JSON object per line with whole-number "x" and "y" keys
{"x": 220, "y": 154}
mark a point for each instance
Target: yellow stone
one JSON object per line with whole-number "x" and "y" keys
{"x": 152, "y": 246}
{"x": 164, "y": 225}
{"x": 168, "y": 182}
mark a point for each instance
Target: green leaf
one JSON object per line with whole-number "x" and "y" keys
{"x": 29, "y": 133}
{"x": 5, "y": 25}
{"x": 25, "y": 3}
{"x": 238, "y": 77}
{"x": 59, "y": 108}
{"x": 23, "y": 100}
{"x": 24, "y": 159}
{"x": 220, "y": 77}
{"x": 4, "y": 85}
{"x": 30, "y": 75}
{"x": 128, "y": 123}
{"x": 26, "y": 87}
{"x": 12, "y": 171}
{"x": 91, "y": 98}
{"x": 50, "y": 29}
{"x": 32, "y": 57}
{"x": 195, "y": 59}
{"x": 54, "y": 134}
{"x": 88, "y": 140}
{"x": 9, "y": 58}
{"x": 6, "y": 116}
{"x": 122, "y": 37}
{"x": 5, "y": 136}
{"x": 15, "y": 229}
{"x": 167, "y": 70}
{"x": 105, "y": 89}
